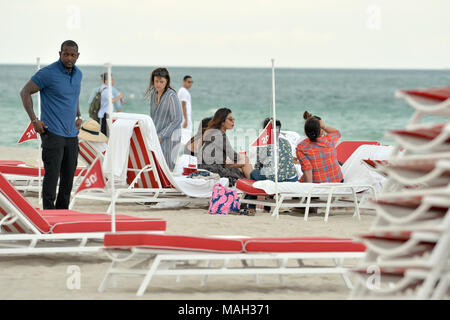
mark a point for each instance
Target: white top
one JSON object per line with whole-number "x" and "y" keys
{"x": 184, "y": 95}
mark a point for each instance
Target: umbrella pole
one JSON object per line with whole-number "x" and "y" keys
{"x": 38, "y": 66}
{"x": 275, "y": 142}
{"x": 109, "y": 125}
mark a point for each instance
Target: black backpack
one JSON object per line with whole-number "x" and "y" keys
{"x": 95, "y": 105}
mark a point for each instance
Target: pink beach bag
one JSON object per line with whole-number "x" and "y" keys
{"x": 223, "y": 200}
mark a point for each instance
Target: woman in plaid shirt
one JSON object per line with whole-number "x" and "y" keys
{"x": 317, "y": 153}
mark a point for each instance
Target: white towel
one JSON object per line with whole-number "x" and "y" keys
{"x": 118, "y": 149}
{"x": 355, "y": 172}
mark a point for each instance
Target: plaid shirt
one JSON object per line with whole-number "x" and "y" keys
{"x": 321, "y": 158}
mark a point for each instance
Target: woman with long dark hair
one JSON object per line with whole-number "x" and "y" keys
{"x": 317, "y": 153}
{"x": 217, "y": 155}
{"x": 165, "y": 110}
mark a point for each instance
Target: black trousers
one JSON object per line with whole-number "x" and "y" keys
{"x": 60, "y": 157}
{"x": 104, "y": 125}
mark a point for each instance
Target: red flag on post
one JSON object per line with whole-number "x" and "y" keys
{"x": 265, "y": 137}
{"x": 94, "y": 178}
{"x": 29, "y": 134}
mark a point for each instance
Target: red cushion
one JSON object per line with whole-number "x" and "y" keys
{"x": 302, "y": 244}
{"x": 11, "y": 162}
{"x": 28, "y": 171}
{"x": 23, "y": 205}
{"x": 246, "y": 186}
{"x": 212, "y": 244}
{"x": 440, "y": 94}
{"x": 172, "y": 242}
{"x": 345, "y": 149}
{"x": 427, "y": 133}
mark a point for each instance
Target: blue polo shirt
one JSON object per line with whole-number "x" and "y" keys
{"x": 60, "y": 91}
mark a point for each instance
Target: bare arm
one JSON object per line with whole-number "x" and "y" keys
{"x": 183, "y": 106}
{"x": 78, "y": 121}
{"x": 326, "y": 128}
{"x": 26, "y": 92}
{"x": 308, "y": 175}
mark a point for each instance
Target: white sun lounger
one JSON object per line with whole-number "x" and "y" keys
{"x": 155, "y": 255}
{"x": 140, "y": 170}
{"x": 28, "y": 230}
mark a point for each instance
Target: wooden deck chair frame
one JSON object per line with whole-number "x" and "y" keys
{"x": 148, "y": 263}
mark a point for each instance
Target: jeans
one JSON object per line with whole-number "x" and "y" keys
{"x": 256, "y": 175}
{"x": 60, "y": 157}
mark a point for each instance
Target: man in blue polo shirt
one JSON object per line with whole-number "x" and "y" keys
{"x": 59, "y": 84}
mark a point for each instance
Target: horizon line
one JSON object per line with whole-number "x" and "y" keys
{"x": 251, "y": 67}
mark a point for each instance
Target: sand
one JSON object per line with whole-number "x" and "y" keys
{"x": 46, "y": 276}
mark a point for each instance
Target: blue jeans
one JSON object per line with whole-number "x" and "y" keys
{"x": 256, "y": 175}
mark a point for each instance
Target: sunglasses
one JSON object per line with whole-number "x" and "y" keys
{"x": 231, "y": 119}
{"x": 160, "y": 73}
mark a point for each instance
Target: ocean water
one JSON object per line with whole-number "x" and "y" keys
{"x": 360, "y": 103}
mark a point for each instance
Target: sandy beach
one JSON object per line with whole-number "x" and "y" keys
{"x": 45, "y": 276}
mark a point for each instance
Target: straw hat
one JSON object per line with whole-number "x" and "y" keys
{"x": 90, "y": 131}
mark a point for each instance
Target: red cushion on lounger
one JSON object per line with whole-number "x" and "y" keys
{"x": 11, "y": 162}
{"x": 173, "y": 242}
{"x": 427, "y": 133}
{"x": 246, "y": 185}
{"x": 23, "y": 205}
{"x": 212, "y": 244}
{"x": 346, "y": 148}
{"x": 27, "y": 171}
{"x": 302, "y": 244}
{"x": 440, "y": 94}
{"x": 97, "y": 222}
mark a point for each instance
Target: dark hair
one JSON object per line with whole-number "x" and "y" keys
{"x": 158, "y": 72}
{"x": 219, "y": 117}
{"x": 312, "y": 126}
{"x": 69, "y": 43}
{"x": 268, "y": 119}
{"x": 104, "y": 76}
{"x": 187, "y": 77}
{"x": 200, "y": 131}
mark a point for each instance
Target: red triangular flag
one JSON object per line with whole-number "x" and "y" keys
{"x": 29, "y": 134}
{"x": 94, "y": 178}
{"x": 265, "y": 137}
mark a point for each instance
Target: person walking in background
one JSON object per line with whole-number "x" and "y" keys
{"x": 116, "y": 98}
{"x": 165, "y": 110}
{"x": 185, "y": 99}
{"x": 59, "y": 85}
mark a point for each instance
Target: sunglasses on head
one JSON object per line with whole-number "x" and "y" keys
{"x": 160, "y": 73}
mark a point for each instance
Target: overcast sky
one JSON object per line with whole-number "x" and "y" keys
{"x": 241, "y": 33}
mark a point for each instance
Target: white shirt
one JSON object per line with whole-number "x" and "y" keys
{"x": 184, "y": 95}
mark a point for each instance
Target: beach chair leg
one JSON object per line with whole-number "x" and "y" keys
{"x": 355, "y": 202}
{"x": 308, "y": 202}
{"x": 205, "y": 277}
{"x": 108, "y": 275}
{"x": 340, "y": 263}
{"x": 148, "y": 277}
{"x": 327, "y": 209}
{"x": 256, "y": 275}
